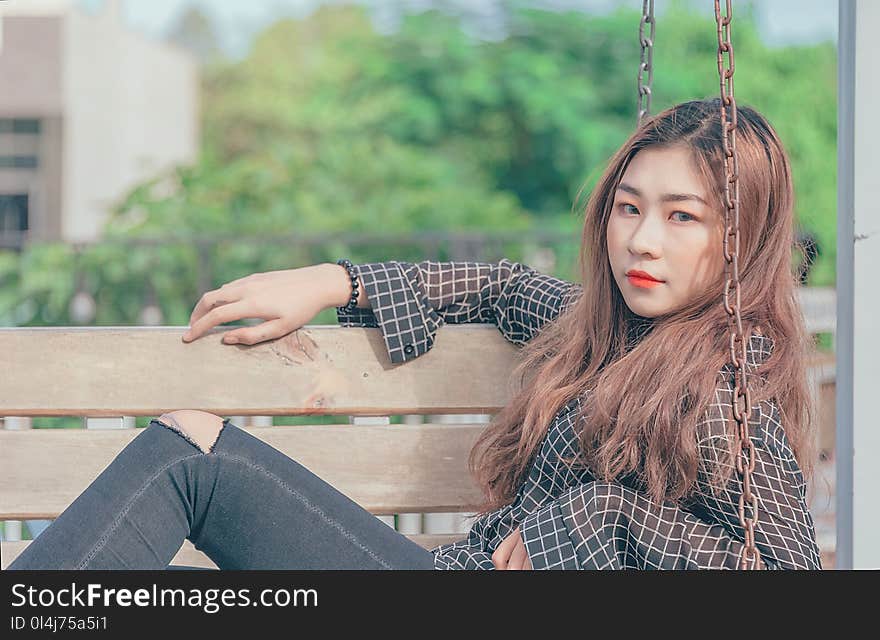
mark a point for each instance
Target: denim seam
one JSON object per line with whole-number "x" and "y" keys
{"x": 312, "y": 507}
{"x": 115, "y": 524}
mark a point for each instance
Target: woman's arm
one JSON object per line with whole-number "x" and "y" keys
{"x": 785, "y": 533}
{"x": 410, "y": 301}
{"x": 607, "y": 525}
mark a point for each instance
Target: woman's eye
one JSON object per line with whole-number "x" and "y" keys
{"x": 627, "y": 208}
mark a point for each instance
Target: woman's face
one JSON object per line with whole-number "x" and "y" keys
{"x": 662, "y": 224}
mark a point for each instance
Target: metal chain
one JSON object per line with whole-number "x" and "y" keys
{"x": 745, "y": 453}
{"x": 647, "y": 59}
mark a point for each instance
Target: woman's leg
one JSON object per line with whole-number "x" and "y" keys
{"x": 242, "y": 502}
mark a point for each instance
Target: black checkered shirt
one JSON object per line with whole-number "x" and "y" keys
{"x": 567, "y": 519}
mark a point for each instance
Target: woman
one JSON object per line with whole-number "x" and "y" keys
{"x": 616, "y": 453}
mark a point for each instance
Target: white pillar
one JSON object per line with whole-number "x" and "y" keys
{"x": 858, "y": 297}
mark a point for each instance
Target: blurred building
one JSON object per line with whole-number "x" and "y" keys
{"x": 88, "y": 109}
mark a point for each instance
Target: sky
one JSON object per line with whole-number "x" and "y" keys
{"x": 781, "y": 21}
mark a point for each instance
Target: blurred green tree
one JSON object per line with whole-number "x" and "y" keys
{"x": 328, "y": 126}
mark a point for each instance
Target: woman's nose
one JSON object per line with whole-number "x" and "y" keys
{"x": 646, "y": 238}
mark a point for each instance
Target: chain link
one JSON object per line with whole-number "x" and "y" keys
{"x": 647, "y": 59}
{"x": 742, "y": 398}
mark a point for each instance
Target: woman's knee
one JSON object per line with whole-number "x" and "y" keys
{"x": 199, "y": 427}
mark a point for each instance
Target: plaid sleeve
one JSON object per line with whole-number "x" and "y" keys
{"x": 602, "y": 525}
{"x": 785, "y": 533}
{"x": 410, "y": 301}
{"x": 599, "y": 525}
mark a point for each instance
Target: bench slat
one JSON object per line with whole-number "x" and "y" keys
{"x": 387, "y": 469}
{"x": 192, "y": 557}
{"x": 320, "y": 369}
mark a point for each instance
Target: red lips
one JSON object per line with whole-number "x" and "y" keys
{"x": 644, "y": 275}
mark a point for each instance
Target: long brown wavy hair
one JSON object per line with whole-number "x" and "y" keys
{"x": 638, "y": 371}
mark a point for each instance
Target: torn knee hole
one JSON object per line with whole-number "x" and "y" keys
{"x": 200, "y": 432}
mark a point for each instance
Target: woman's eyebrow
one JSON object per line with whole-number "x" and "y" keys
{"x": 666, "y": 197}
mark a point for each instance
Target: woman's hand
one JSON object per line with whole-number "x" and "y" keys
{"x": 286, "y": 300}
{"x": 511, "y": 553}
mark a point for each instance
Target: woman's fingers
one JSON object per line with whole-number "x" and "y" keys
{"x": 220, "y": 315}
{"x": 518, "y": 557}
{"x": 268, "y": 330}
{"x": 213, "y": 299}
{"x": 266, "y": 296}
{"x": 501, "y": 555}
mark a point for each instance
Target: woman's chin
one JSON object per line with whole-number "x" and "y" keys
{"x": 645, "y": 311}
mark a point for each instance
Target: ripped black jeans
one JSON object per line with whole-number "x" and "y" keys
{"x": 244, "y": 504}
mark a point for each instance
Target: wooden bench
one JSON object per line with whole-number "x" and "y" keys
{"x": 319, "y": 370}
{"x": 105, "y": 373}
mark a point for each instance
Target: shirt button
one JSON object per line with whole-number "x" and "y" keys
{"x": 409, "y": 349}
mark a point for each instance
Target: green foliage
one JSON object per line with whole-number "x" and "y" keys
{"x": 328, "y": 126}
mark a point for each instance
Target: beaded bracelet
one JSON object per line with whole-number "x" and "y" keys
{"x": 352, "y": 304}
